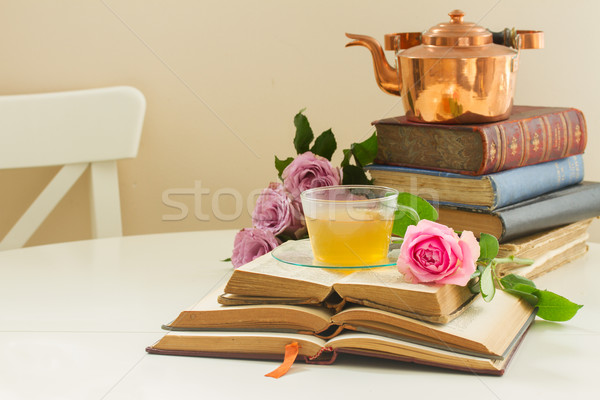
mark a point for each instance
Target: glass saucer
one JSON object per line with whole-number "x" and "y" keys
{"x": 299, "y": 253}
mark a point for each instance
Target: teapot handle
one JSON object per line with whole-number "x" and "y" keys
{"x": 528, "y": 39}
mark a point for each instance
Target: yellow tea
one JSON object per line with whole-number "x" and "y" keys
{"x": 361, "y": 238}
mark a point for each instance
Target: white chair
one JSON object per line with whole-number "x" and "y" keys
{"x": 75, "y": 129}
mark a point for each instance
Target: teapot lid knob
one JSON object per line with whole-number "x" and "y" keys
{"x": 456, "y": 16}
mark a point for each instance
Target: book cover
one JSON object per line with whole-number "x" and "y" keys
{"x": 562, "y": 207}
{"x": 531, "y": 135}
{"x": 489, "y": 191}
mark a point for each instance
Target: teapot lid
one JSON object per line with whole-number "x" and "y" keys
{"x": 457, "y": 33}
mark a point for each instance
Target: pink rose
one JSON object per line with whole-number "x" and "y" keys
{"x": 275, "y": 212}
{"x": 432, "y": 252}
{"x": 250, "y": 244}
{"x": 308, "y": 171}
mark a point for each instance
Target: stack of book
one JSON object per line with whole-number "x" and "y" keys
{"x": 267, "y": 304}
{"x": 520, "y": 180}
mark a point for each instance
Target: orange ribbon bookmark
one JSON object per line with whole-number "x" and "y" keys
{"x": 291, "y": 352}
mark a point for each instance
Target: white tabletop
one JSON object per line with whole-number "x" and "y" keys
{"x": 76, "y": 317}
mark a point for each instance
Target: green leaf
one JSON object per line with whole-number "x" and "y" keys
{"x": 226, "y": 259}
{"x": 403, "y": 218}
{"x": 411, "y": 209}
{"x": 347, "y": 156}
{"x": 553, "y": 307}
{"x": 365, "y": 152}
{"x": 474, "y": 285}
{"x": 423, "y": 208}
{"x": 488, "y": 246}
{"x": 353, "y": 175}
{"x": 488, "y": 290}
{"x": 281, "y": 164}
{"x": 325, "y": 145}
{"x": 476, "y": 274}
{"x": 529, "y": 297}
{"x": 284, "y": 238}
{"x": 304, "y": 134}
{"x": 511, "y": 280}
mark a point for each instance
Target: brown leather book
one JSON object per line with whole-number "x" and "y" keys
{"x": 530, "y": 136}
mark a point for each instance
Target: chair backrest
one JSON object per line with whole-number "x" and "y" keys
{"x": 75, "y": 129}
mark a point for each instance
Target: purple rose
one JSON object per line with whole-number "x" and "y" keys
{"x": 275, "y": 212}
{"x": 250, "y": 244}
{"x": 308, "y": 171}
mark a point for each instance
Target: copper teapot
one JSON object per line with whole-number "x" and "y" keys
{"x": 454, "y": 73}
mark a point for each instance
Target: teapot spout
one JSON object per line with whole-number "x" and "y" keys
{"x": 387, "y": 77}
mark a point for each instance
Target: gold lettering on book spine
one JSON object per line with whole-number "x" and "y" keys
{"x": 577, "y": 134}
{"x": 513, "y": 146}
{"x": 565, "y": 143}
{"x": 536, "y": 142}
{"x": 525, "y": 137}
{"x": 550, "y": 138}
{"x": 499, "y": 143}
{"x": 583, "y": 130}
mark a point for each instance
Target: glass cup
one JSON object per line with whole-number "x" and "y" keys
{"x": 350, "y": 225}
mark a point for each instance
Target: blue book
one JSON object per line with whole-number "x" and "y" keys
{"x": 484, "y": 192}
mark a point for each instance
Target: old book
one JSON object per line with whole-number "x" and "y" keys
{"x": 270, "y": 346}
{"x": 481, "y": 340}
{"x": 484, "y": 329}
{"x": 549, "y": 249}
{"x": 530, "y": 136}
{"x": 489, "y": 191}
{"x": 565, "y": 206}
{"x": 267, "y": 280}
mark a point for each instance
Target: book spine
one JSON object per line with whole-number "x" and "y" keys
{"x": 572, "y": 204}
{"x": 548, "y": 137}
{"x": 516, "y": 185}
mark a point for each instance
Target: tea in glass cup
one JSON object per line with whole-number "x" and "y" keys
{"x": 350, "y": 225}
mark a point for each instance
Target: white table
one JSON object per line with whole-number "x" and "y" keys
{"x": 76, "y": 317}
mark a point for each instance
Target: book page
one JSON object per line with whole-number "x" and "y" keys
{"x": 549, "y": 261}
{"x": 385, "y": 277}
{"x": 378, "y": 346}
{"x": 381, "y": 343}
{"x": 268, "y": 265}
{"x": 538, "y": 244}
{"x": 209, "y": 314}
{"x": 482, "y": 327}
{"x": 237, "y": 343}
{"x": 210, "y": 303}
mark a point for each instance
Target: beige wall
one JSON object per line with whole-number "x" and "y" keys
{"x": 223, "y": 80}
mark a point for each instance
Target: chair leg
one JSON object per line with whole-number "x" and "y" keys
{"x": 105, "y": 200}
{"x": 41, "y": 207}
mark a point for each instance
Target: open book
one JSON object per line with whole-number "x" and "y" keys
{"x": 266, "y": 280}
{"x": 481, "y": 339}
{"x": 267, "y": 345}
{"x": 483, "y": 329}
